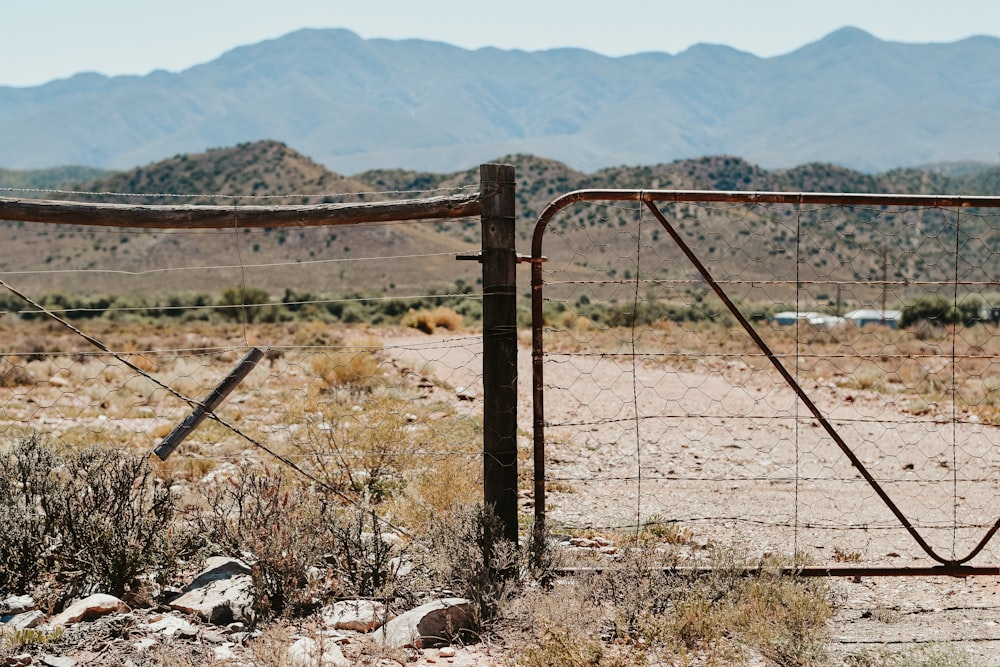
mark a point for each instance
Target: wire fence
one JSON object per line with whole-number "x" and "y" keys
{"x": 371, "y": 377}
{"x": 660, "y": 407}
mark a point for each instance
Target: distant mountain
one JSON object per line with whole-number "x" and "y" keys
{"x": 356, "y": 104}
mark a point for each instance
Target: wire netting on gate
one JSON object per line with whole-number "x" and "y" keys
{"x": 371, "y": 380}
{"x": 659, "y": 406}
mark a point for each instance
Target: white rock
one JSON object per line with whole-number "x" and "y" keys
{"x": 220, "y": 594}
{"x": 17, "y": 604}
{"x": 307, "y": 652}
{"x": 28, "y": 619}
{"x": 144, "y": 644}
{"x": 431, "y": 624}
{"x": 88, "y": 609}
{"x": 169, "y": 626}
{"x": 447, "y": 652}
{"x": 357, "y": 615}
{"x": 57, "y": 661}
{"x": 224, "y": 653}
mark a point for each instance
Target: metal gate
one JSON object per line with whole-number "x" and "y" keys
{"x": 814, "y": 373}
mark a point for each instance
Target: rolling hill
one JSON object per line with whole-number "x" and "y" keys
{"x": 585, "y": 242}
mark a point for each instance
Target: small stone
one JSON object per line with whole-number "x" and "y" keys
{"x": 307, "y": 652}
{"x": 29, "y": 619}
{"x": 220, "y": 594}
{"x": 224, "y": 653}
{"x": 57, "y": 661}
{"x": 144, "y": 644}
{"x": 447, "y": 652}
{"x": 21, "y": 660}
{"x": 429, "y": 625}
{"x": 17, "y": 604}
{"x": 169, "y": 626}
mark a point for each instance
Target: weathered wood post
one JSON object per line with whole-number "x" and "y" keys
{"x": 499, "y": 258}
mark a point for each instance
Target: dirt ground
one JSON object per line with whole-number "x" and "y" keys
{"x": 718, "y": 451}
{"x": 721, "y": 449}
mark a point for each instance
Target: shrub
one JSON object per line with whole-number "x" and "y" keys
{"x": 279, "y": 527}
{"x": 112, "y": 516}
{"x": 939, "y": 310}
{"x": 248, "y": 304}
{"x": 27, "y": 491}
{"x": 429, "y": 321}
{"x": 13, "y": 374}
{"x": 303, "y": 546}
{"x": 355, "y": 368}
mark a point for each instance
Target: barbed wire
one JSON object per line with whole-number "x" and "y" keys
{"x": 295, "y": 195}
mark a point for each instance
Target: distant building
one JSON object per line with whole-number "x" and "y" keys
{"x": 821, "y": 320}
{"x": 865, "y": 316}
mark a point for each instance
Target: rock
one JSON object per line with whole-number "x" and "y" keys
{"x": 144, "y": 644}
{"x": 307, "y": 652}
{"x": 57, "y": 661}
{"x": 20, "y": 660}
{"x": 15, "y": 605}
{"x": 88, "y": 609}
{"x": 465, "y": 394}
{"x": 431, "y": 624}
{"x": 170, "y": 626}
{"x": 221, "y": 594}
{"x": 224, "y": 653}
{"x": 357, "y": 615}
{"x": 447, "y": 652}
{"x": 29, "y": 619}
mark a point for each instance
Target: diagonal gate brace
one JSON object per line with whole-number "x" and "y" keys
{"x": 184, "y": 429}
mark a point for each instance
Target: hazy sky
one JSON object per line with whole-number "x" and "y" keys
{"x": 47, "y": 39}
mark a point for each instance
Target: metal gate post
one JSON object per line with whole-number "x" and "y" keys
{"x": 499, "y": 258}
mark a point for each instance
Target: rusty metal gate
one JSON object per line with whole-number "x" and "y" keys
{"x": 814, "y": 374}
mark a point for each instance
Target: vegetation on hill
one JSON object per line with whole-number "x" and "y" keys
{"x": 61, "y": 178}
{"x": 846, "y": 243}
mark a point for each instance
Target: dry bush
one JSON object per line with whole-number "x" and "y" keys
{"x": 95, "y": 512}
{"x": 113, "y": 519}
{"x": 27, "y": 489}
{"x": 355, "y": 367}
{"x": 429, "y": 321}
{"x": 642, "y": 610}
{"x": 303, "y": 545}
{"x": 280, "y": 527}
{"x": 14, "y": 374}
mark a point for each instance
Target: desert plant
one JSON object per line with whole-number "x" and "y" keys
{"x": 429, "y": 321}
{"x": 14, "y": 374}
{"x": 280, "y": 526}
{"x": 112, "y": 517}
{"x": 355, "y": 368}
{"x": 27, "y": 491}
{"x": 471, "y": 557}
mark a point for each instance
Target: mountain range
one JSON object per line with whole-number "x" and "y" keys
{"x": 355, "y": 104}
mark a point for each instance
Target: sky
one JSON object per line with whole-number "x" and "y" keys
{"x": 49, "y": 39}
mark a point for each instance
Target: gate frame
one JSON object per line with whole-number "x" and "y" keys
{"x": 650, "y": 198}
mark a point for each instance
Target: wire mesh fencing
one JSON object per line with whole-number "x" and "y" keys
{"x": 844, "y": 409}
{"x": 370, "y": 381}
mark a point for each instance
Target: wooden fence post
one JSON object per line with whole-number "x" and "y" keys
{"x": 499, "y": 258}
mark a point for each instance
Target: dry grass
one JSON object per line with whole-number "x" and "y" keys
{"x": 430, "y": 321}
